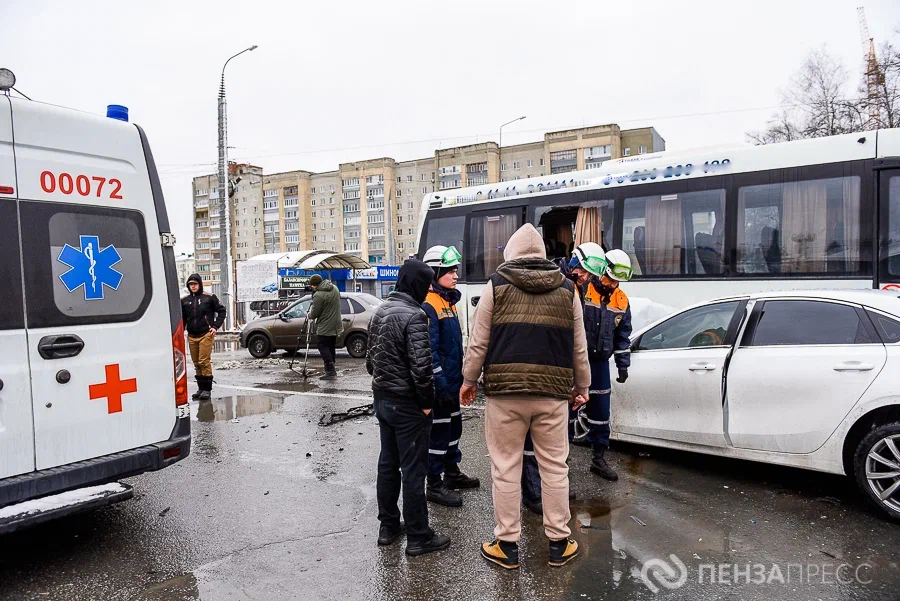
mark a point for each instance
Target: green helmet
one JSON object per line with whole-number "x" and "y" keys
{"x": 590, "y": 257}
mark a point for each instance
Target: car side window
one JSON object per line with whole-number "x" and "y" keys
{"x": 805, "y": 322}
{"x": 298, "y": 310}
{"x": 345, "y": 306}
{"x": 702, "y": 326}
{"x": 357, "y": 307}
{"x": 888, "y": 329}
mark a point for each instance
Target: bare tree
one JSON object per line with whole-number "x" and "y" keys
{"x": 815, "y": 104}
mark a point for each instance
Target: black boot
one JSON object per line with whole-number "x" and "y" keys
{"x": 599, "y": 465}
{"x": 330, "y": 373}
{"x": 455, "y": 479}
{"x": 196, "y": 395}
{"x": 437, "y": 542}
{"x": 205, "y": 388}
{"x": 387, "y": 535}
{"x": 437, "y": 492}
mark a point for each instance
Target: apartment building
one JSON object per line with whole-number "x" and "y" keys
{"x": 371, "y": 208}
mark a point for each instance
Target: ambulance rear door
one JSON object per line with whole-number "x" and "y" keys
{"x": 97, "y": 314}
{"x": 16, "y": 427}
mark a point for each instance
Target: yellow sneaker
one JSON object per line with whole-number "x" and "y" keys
{"x": 562, "y": 551}
{"x": 503, "y": 553}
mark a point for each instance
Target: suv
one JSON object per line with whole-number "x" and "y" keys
{"x": 287, "y": 329}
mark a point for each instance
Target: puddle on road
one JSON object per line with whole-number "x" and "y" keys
{"x": 221, "y": 346}
{"x": 234, "y": 407}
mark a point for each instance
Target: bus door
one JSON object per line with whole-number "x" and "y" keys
{"x": 889, "y": 229}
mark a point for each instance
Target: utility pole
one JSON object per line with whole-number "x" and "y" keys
{"x": 225, "y": 202}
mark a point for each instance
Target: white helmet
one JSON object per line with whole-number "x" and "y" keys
{"x": 590, "y": 257}
{"x": 442, "y": 256}
{"x": 619, "y": 265}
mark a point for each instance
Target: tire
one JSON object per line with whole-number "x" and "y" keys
{"x": 880, "y": 442}
{"x": 356, "y": 345}
{"x": 259, "y": 346}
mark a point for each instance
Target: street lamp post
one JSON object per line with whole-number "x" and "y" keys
{"x": 500, "y": 145}
{"x": 224, "y": 202}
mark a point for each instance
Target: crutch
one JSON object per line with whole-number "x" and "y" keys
{"x": 304, "y": 372}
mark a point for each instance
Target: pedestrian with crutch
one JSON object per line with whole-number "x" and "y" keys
{"x": 326, "y": 310}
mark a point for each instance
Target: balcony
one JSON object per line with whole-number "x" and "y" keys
{"x": 201, "y": 204}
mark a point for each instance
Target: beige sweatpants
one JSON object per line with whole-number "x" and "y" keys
{"x": 507, "y": 421}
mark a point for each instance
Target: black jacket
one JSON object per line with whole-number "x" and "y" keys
{"x": 201, "y": 311}
{"x": 399, "y": 355}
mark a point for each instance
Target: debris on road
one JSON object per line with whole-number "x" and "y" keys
{"x": 638, "y": 521}
{"x": 351, "y": 413}
{"x": 165, "y": 511}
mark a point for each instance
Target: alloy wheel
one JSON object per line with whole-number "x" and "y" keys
{"x": 883, "y": 470}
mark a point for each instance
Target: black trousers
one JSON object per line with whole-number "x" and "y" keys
{"x": 326, "y": 348}
{"x": 403, "y": 463}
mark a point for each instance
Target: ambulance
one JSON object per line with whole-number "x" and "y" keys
{"x": 93, "y": 382}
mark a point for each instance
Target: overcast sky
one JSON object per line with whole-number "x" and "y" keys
{"x": 335, "y": 81}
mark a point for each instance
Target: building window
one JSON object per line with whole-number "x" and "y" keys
{"x": 313, "y": 202}
{"x": 530, "y": 163}
{"x": 409, "y": 178}
{"x": 516, "y": 165}
{"x": 410, "y": 233}
{"x": 331, "y": 188}
{"x": 399, "y": 192}
{"x": 642, "y": 150}
{"x": 313, "y": 214}
{"x": 409, "y": 192}
{"x": 411, "y": 205}
{"x": 399, "y": 179}
{"x": 399, "y": 218}
{"x": 399, "y": 232}
{"x": 424, "y": 190}
{"x": 503, "y": 167}
{"x": 542, "y": 162}
{"x": 627, "y": 152}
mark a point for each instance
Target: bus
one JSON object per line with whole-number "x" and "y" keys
{"x": 699, "y": 224}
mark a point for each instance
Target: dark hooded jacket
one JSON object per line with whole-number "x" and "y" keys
{"x": 201, "y": 311}
{"x": 399, "y": 354}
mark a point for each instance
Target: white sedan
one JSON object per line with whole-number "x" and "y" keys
{"x": 809, "y": 379}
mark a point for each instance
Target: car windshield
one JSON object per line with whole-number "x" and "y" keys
{"x": 368, "y": 299}
{"x": 299, "y": 309}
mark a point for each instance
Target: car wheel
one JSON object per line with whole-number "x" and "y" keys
{"x": 877, "y": 468}
{"x": 259, "y": 346}
{"x": 356, "y": 345}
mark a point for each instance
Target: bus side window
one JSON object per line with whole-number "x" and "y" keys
{"x": 488, "y": 235}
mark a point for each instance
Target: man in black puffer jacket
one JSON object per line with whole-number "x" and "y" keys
{"x": 399, "y": 360}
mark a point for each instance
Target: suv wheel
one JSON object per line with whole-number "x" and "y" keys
{"x": 356, "y": 345}
{"x": 259, "y": 346}
{"x": 877, "y": 468}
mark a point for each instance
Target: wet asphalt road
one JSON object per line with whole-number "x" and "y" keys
{"x": 270, "y": 506}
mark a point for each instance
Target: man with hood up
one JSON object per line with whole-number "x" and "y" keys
{"x": 203, "y": 315}
{"x": 400, "y": 363}
{"x": 528, "y": 337}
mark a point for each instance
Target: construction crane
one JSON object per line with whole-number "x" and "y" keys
{"x": 874, "y": 76}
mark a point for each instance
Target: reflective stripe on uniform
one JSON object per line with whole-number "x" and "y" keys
{"x": 437, "y": 452}
{"x": 604, "y": 391}
{"x": 453, "y": 443}
{"x": 528, "y": 453}
{"x": 597, "y": 423}
{"x": 438, "y": 369}
{"x": 443, "y": 420}
{"x": 455, "y": 413}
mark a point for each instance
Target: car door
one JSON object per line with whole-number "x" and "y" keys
{"x": 674, "y": 389}
{"x": 346, "y": 319}
{"x": 16, "y": 420}
{"x": 291, "y": 325}
{"x": 801, "y": 366}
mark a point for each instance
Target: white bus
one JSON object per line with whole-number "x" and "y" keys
{"x": 699, "y": 224}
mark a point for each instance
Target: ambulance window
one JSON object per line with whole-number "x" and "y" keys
{"x": 87, "y": 265}
{"x": 12, "y": 315}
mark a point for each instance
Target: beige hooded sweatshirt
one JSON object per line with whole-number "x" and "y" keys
{"x": 526, "y": 243}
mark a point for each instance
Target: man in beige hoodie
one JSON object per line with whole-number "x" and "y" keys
{"x": 527, "y": 336}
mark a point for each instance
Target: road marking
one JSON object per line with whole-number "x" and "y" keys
{"x": 295, "y": 393}
{"x": 325, "y": 394}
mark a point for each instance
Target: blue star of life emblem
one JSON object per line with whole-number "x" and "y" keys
{"x": 90, "y": 267}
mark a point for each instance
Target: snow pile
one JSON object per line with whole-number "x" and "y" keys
{"x": 66, "y": 499}
{"x": 258, "y": 363}
{"x": 645, "y": 311}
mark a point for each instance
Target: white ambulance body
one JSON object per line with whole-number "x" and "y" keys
{"x": 93, "y": 385}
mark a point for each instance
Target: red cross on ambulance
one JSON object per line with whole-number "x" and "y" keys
{"x": 113, "y": 389}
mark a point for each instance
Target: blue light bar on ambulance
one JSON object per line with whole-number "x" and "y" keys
{"x": 117, "y": 111}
